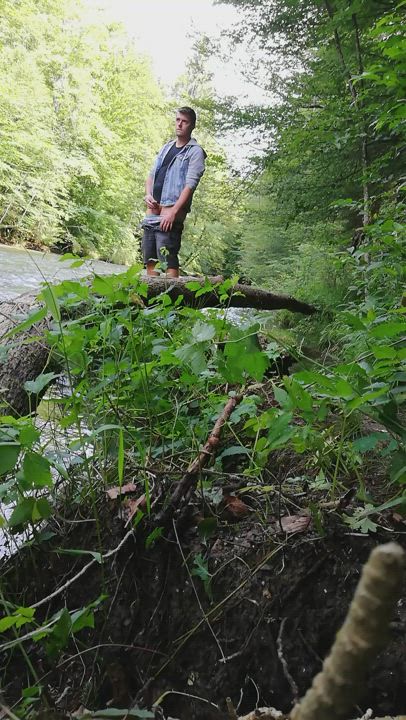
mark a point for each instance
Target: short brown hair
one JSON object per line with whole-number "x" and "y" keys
{"x": 189, "y": 112}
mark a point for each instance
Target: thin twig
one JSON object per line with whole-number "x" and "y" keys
{"x": 83, "y": 571}
{"x": 223, "y": 659}
{"x": 288, "y": 676}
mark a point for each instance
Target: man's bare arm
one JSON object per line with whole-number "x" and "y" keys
{"x": 149, "y": 199}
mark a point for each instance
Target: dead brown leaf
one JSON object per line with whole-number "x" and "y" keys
{"x": 115, "y": 492}
{"x": 234, "y": 508}
{"x": 130, "y": 507}
{"x": 294, "y": 523}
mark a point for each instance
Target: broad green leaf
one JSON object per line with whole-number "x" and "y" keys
{"x": 384, "y": 352}
{"x": 42, "y": 510}
{"x": 202, "y": 332}
{"x": 83, "y": 618}
{"x": 207, "y": 527}
{"x": 22, "y": 513}
{"x": 35, "y": 386}
{"x": 194, "y": 356}
{"x": 37, "y": 471}
{"x": 398, "y": 467}
{"x": 51, "y": 301}
{"x": 9, "y": 453}
{"x": 233, "y": 450}
{"x": 388, "y": 329}
{"x": 59, "y": 635}
{"x": 29, "y": 435}
{"x": 369, "y": 442}
{"x": 103, "y": 285}
{"x": 7, "y": 622}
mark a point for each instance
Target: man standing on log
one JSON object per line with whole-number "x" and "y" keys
{"x": 169, "y": 188}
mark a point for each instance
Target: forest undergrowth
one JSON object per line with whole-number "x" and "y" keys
{"x": 213, "y": 512}
{"x": 199, "y": 532}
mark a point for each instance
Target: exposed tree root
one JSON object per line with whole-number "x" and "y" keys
{"x": 207, "y": 453}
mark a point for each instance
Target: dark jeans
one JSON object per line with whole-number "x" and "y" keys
{"x": 162, "y": 246}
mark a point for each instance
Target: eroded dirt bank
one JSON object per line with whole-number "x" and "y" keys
{"x": 255, "y": 629}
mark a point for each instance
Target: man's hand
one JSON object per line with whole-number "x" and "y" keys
{"x": 168, "y": 218}
{"x": 150, "y": 202}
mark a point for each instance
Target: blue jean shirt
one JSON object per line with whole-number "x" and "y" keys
{"x": 185, "y": 170}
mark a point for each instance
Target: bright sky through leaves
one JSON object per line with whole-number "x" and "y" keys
{"x": 165, "y": 30}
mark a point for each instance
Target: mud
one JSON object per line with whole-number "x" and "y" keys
{"x": 271, "y": 596}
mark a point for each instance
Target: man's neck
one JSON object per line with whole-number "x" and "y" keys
{"x": 180, "y": 142}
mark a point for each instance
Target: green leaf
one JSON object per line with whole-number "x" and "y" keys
{"x": 194, "y": 356}
{"x": 388, "y": 329}
{"x": 202, "y": 332}
{"x": 28, "y": 435}
{"x": 35, "y": 386}
{"x": 83, "y": 618}
{"x": 37, "y": 471}
{"x": 51, "y": 301}
{"x": 282, "y": 397}
{"x": 34, "y": 317}
{"x": 369, "y": 442}
{"x": 72, "y": 551}
{"x": 59, "y": 635}
{"x": 42, "y": 510}
{"x": 7, "y": 622}
{"x": 9, "y": 453}
{"x": 243, "y": 357}
{"x": 153, "y": 537}
{"x": 233, "y": 450}
{"x": 22, "y": 513}
{"x": 398, "y": 467}
{"x": 384, "y": 352}
{"x": 207, "y": 527}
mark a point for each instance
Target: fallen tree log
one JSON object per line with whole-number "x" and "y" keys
{"x": 240, "y": 296}
{"x": 24, "y": 356}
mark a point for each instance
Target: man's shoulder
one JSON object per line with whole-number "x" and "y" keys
{"x": 196, "y": 147}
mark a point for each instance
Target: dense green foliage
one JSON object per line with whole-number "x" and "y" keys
{"x": 82, "y": 118}
{"x": 322, "y": 217}
{"x": 332, "y": 170}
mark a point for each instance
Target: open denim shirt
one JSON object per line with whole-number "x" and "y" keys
{"x": 185, "y": 169}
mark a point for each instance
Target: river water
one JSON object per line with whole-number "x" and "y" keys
{"x": 23, "y": 271}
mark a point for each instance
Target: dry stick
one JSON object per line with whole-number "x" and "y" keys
{"x": 208, "y": 451}
{"x": 288, "y": 676}
{"x": 335, "y": 689}
{"x": 82, "y": 571}
{"x": 231, "y": 711}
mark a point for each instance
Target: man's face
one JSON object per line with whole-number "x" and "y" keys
{"x": 184, "y": 126}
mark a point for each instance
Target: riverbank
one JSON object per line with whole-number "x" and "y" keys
{"x": 247, "y": 612}
{"x": 207, "y": 538}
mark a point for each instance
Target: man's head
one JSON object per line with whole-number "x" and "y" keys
{"x": 185, "y": 122}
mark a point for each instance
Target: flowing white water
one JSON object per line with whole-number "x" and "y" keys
{"x": 23, "y": 271}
